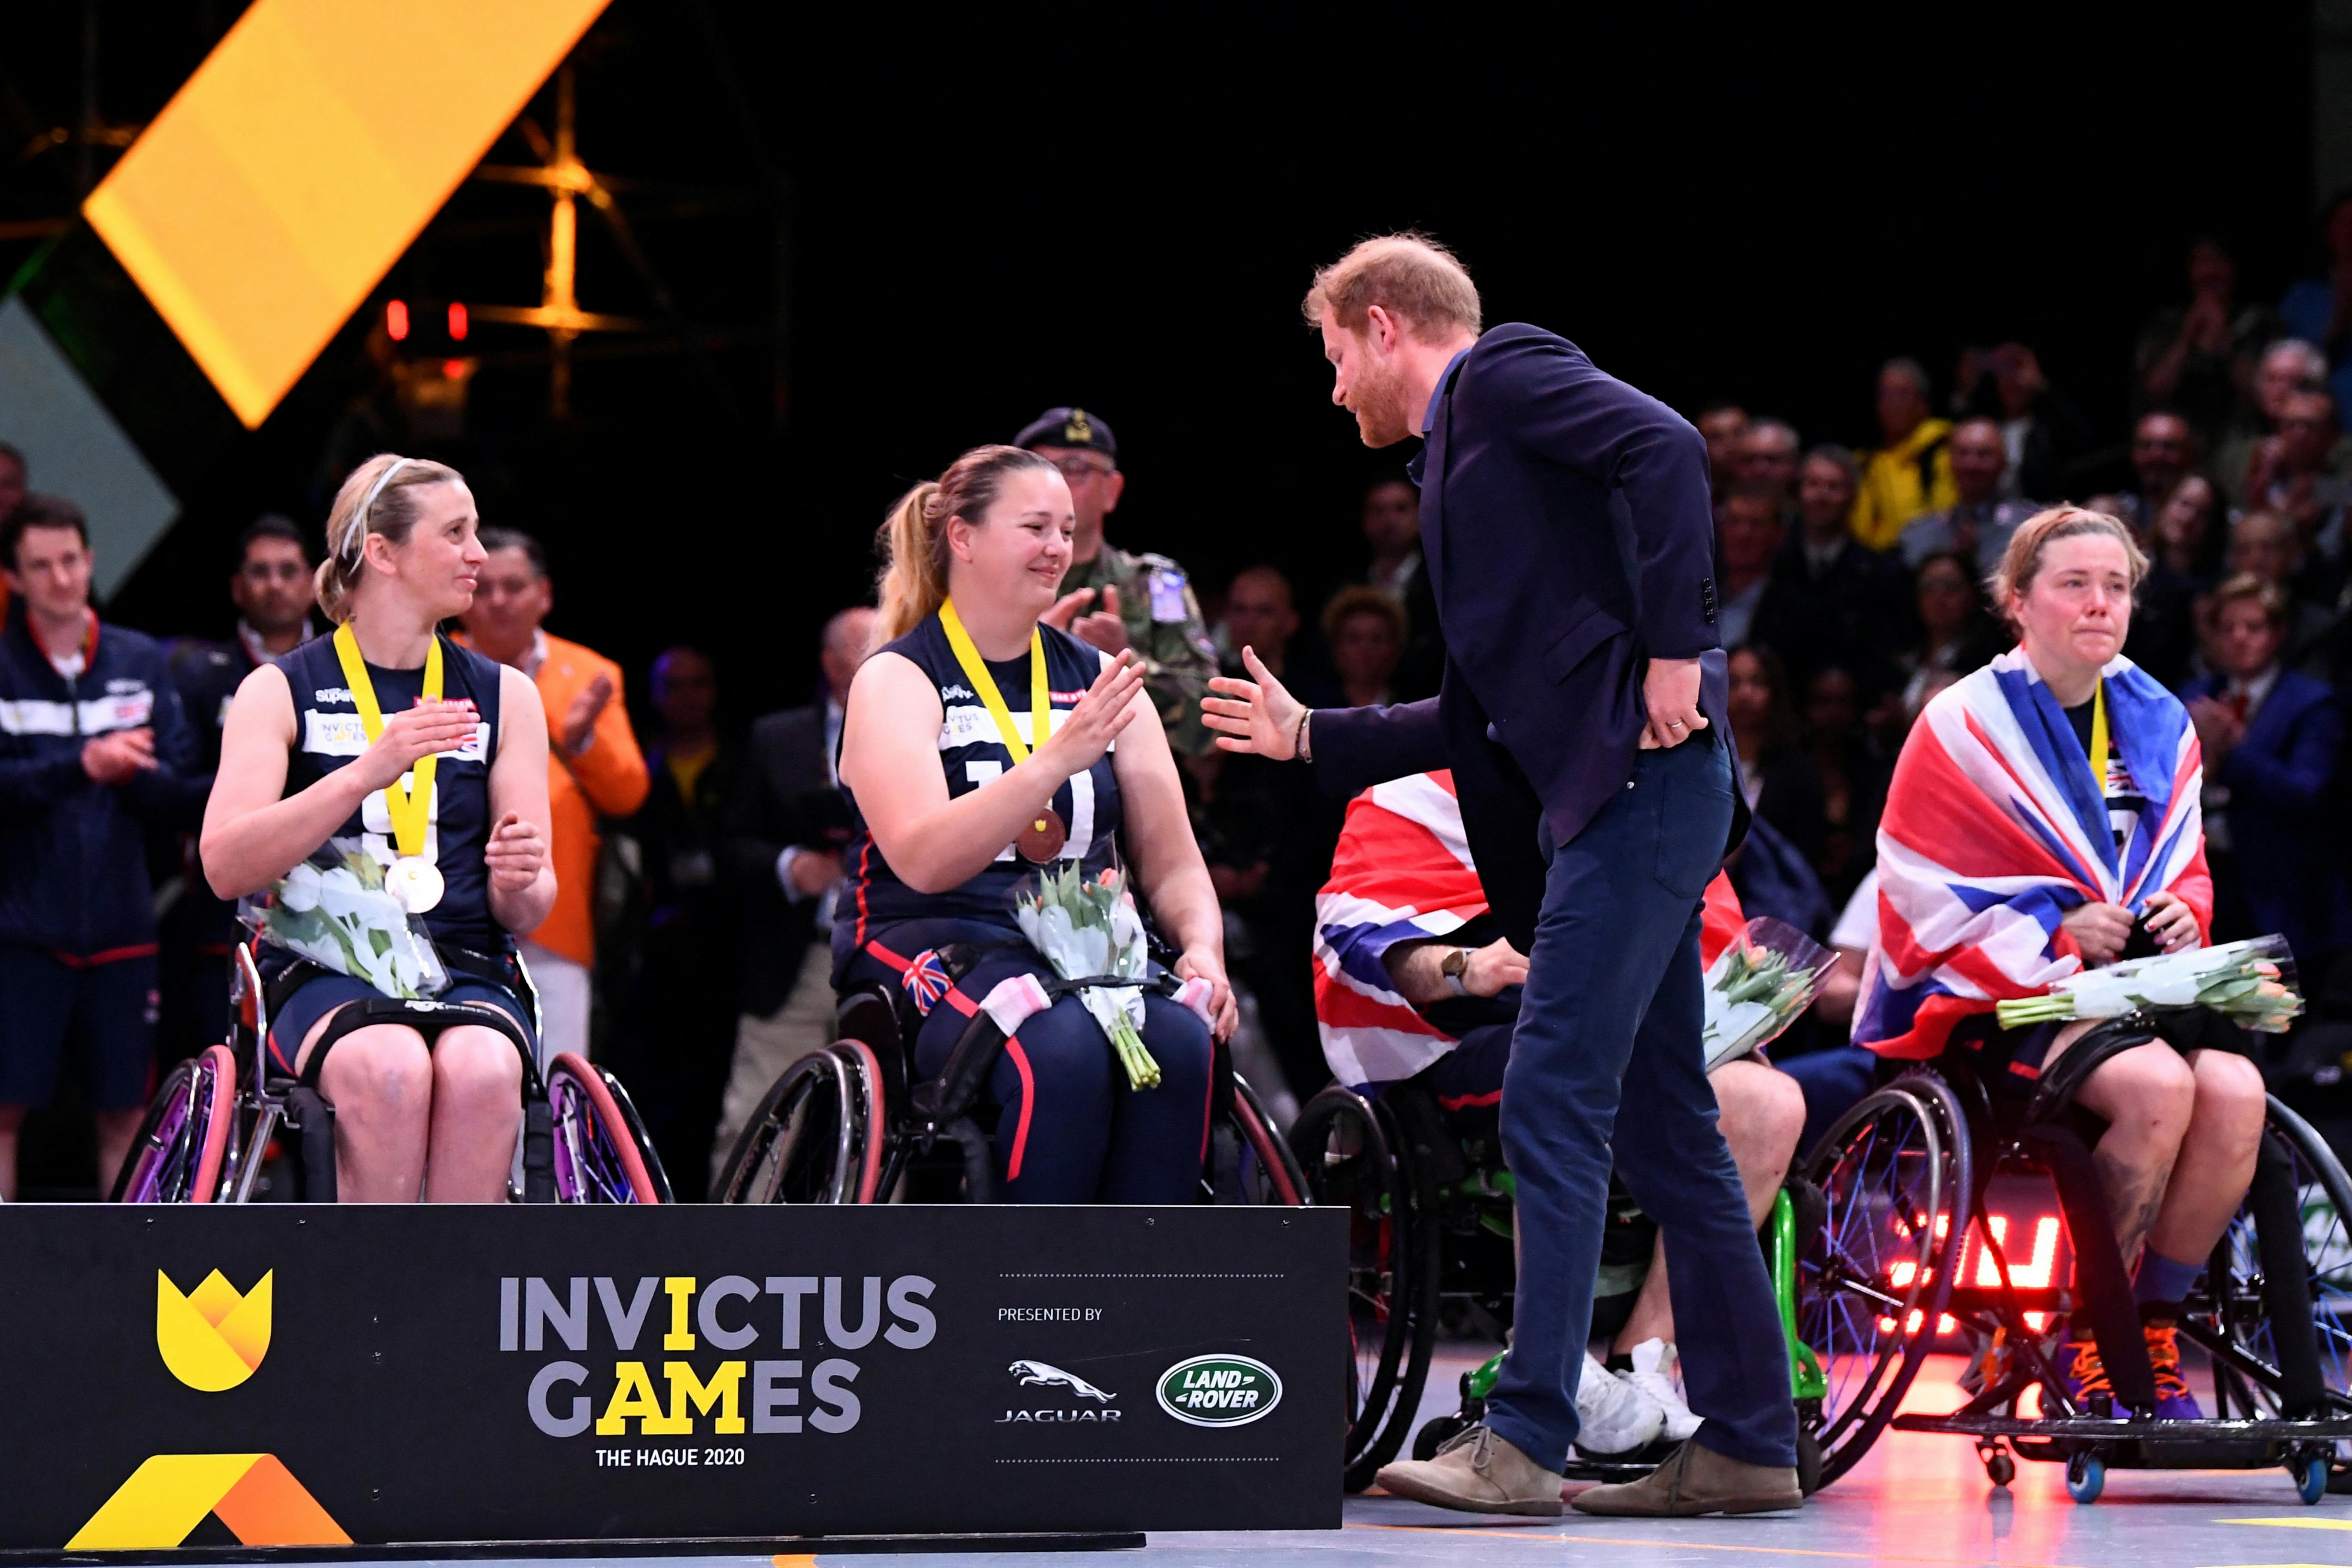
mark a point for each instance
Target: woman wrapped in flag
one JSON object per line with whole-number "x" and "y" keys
{"x": 2045, "y": 819}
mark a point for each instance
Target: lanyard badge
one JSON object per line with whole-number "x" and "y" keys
{"x": 412, "y": 881}
{"x": 1041, "y": 841}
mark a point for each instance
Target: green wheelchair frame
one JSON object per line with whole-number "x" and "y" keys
{"x": 1806, "y": 1379}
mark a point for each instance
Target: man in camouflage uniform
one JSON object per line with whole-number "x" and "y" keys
{"x": 1116, "y": 600}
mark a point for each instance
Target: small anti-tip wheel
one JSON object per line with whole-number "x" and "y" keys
{"x": 2086, "y": 1476}
{"x": 2000, "y": 1468}
{"x": 2310, "y": 1473}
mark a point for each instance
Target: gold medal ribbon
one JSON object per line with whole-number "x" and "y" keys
{"x": 1041, "y": 701}
{"x": 410, "y": 809}
{"x": 2099, "y": 738}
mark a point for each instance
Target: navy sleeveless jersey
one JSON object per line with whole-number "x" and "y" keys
{"x": 329, "y": 734}
{"x": 972, "y": 754}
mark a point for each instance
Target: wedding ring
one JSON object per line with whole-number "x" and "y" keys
{"x": 1675, "y": 725}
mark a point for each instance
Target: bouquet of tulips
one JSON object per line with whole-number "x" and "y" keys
{"x": 1090, "y": 929}
{"x": 333, "y": 910}
{"x": 1758, "y": 986}
{"x": 2250, "y": 983}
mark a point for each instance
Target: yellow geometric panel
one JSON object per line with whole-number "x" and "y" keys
{"x": 281, "y": 182}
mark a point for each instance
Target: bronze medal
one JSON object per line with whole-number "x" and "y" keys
{"x": 1041, "y": 841}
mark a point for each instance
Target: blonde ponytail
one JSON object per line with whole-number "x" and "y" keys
{"x": 913, "y": 582}
{"x": 375, "y": 499}
{"x": 913, "y": 538}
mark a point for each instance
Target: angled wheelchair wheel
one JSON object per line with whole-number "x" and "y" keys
{"x": 1896, "y": 1176}
{"x": 1248, "y": 1160}
{"x": 602, "y": 1154}
{"x": 808, "y": 1141}
{"x": 177, "y": 1156}
{"x": 2276, "y": 1298}
{"x": 1347, "y": 1147}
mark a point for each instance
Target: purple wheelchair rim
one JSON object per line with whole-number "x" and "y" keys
{"x": 588, "y": 1167}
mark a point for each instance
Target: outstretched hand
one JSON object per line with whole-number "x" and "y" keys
{"x": 1257, "y": 715}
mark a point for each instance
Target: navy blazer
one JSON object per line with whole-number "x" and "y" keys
{"x": 1568, "y": 538}
{"x": 2280, "y": 778}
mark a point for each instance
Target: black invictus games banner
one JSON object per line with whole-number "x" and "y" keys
{"x": 285, "y": 1376}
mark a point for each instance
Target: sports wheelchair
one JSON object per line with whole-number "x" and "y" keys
{"x": 232, "y": 1125}
{"x": 1891, "y": 1200}
{"x": 850, "y": 1124}
{"x": 1432, "y": 1238}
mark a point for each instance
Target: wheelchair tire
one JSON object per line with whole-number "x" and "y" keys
{"x": 601, "y": 1154}
{"x": 872, "y": 1113}
{"x": 1347, "y": 1146}
{"x": 177, "y": 1156}
{"x": 1251, "y": 1163}
{"x": 2249, "y": 1311}
{"x": 1896, "y": 1175}
{"x": 801, "y": 1146}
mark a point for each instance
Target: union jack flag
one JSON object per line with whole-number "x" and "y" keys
{"x": 1994, "y": 829}
{"x": 1403, "y": 872}
{"x": 926, "y": 980}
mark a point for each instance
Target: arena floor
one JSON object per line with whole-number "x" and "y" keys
{"x": 1915, "y": 1498}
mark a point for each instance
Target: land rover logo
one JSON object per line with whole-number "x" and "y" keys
{"x": 1219, "y": 1390}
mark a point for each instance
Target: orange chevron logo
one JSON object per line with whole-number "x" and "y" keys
{"x": 166, "y": 1498}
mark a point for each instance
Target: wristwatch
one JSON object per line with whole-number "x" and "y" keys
{"x": 1453, "y": 966}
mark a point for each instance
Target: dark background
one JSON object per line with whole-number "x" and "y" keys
{"x": 984, "y": 216}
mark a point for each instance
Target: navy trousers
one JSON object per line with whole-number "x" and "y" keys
{"x": 1608, "y": 1035}
{"x": 1069, "y": 1129}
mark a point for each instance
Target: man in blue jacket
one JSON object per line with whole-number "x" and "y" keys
{"x": 93, "y": 749}
{"x": 2272, "y": 738}
{"x": 1566, "y": 531}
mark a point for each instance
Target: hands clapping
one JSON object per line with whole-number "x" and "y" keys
{"x": 1082, "y": 734}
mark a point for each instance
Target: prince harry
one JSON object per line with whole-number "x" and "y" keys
{"x": 1568, "y": 535}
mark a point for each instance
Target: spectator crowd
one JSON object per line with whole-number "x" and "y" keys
{"x": 697, "y": 868}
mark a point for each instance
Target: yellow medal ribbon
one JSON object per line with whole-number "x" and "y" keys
{"x": 2099, "y": 738}
{"x": 410, "y": 809}
{"x": 1041, "y": 701}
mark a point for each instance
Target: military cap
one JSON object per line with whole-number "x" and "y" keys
{"x": 1072, "y": 428}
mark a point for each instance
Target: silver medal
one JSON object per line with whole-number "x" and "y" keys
{"x": 415, "y": 883}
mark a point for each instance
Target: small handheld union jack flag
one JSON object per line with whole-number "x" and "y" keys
{"x": 926, "y": 980}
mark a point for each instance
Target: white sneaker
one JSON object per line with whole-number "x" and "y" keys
{"x": 1613, "y": 1417}
{"x": 1657, "y": 1373}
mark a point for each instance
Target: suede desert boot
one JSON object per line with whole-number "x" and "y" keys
{"x": 1697, "y": 1480}
{"x": 1477, "y": 1472}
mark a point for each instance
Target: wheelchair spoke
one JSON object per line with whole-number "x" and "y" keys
{"x": 1868, "y": 1280}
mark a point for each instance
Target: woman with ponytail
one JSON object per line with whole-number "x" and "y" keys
{"x": 981, "y": 749}
{"x": 397, "y": 745}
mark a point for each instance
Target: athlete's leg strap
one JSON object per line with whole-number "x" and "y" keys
{"x": 427, "y": 1018}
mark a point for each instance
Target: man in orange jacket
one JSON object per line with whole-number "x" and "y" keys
{"x": 594, "y": 768}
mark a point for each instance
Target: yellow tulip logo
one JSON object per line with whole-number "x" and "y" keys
{"x": 212, "y": 1338}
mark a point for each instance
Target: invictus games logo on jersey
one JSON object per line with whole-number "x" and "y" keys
{"x": 1219, "y": 1390}
{"x": 1039, "y": 1374}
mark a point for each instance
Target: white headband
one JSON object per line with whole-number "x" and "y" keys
{"x": 358, "y": 533}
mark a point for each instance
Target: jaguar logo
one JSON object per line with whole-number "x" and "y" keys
{"x": 1037, "y": 1374}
